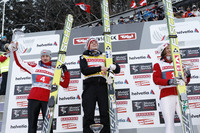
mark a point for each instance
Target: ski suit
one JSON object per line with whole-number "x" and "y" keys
{"x": 169, "y": 103}
{"x": 94, "y": 90}
{"x": 42, "y": 77}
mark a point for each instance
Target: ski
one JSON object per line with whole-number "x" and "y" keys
{"x": 178, "y": 69}
{"x": 57, "y": 75}
{"x": 109, "y": 60}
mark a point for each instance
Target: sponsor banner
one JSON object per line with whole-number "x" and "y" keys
{"x": 31, "y": 45}
{"x": 141, "y": 93}
{"x": 21, "y": 126}
{"x": 120, "y": 58}
{"x": 139, "y": 57}
{"x": 193, "y": 89}
{"x": 22, "y": 89}
{"x": 120, "y": 82}
{"x": 195, "y": 63}
{"x": 186, "y": 31}
{"x": 66, "y": 110}
{"x": 122, "y": 120}
{"x": 145, "y": 121}
{"x": 144, "y": 105}
{"x": 146, "y": 76}
{"x": 114, "y": 38}
{"x": 69, "y": 126}
{"x": 65, "y": 98}
{"x": 193, "y": 98}
{"x": 122, "y": 94}
{"x": 141, "y": 68}
{"x": 145, "y": 114}
{"x": 75, "y": 73}
{"x": 19, "y": 113}
{"x": 22, "y": 78}
{"x": 121, "y": 110}
{"x": 195, "y": 105}
{"x": 142, "y": 83}
{"x": 190, "y": 52}
{"x": 176, "y": 119}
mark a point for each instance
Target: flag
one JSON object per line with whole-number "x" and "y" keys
{"x": 133, "y": 4}
{"x": 143, "y": 2}
{"x": 84, "y": 7}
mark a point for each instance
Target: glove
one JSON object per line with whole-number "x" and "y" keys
{"x": 187, "y": 72}
{"x": 172, "y": 82}
{"x": 112, "y": 67}
{"x": 64, "y": 68}
{"x": 13, "y": 46}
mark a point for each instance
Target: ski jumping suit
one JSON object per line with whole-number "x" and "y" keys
{"x": 42, "y": 77}
{"x": 169, "y": 103}
{"x": 94, "y": 90}
{"x": 4, "y": 65}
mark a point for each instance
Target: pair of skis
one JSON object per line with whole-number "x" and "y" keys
{"x": 178, "y": 69}
{"x": 61, "y": 59}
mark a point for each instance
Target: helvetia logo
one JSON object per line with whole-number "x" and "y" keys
{"x": 47, "y": 44}
{"x": 148, "y": 56}
{"x": 126, "y": 81}
{"x": 152, "y": 92}
{"x": 18, "y": 126}
{"x": 125, "y": 120}
{"x": 78, "y": 97}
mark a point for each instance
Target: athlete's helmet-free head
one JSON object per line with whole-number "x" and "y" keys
{"x": 161, "y": 48}
{"x": 89, "y": 41}
{"x": 45, "y": 52}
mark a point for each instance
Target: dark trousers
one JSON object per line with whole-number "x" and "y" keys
{"x": 34, "y": 107}
{"x": 95, "y": 92}
{"x": 3, "y": 83}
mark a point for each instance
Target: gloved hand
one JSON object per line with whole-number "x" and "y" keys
{"x": 13, "y": 46}
{"x": 112, "y": 67}
{"x": 172, "y": 81}
{"x": 187, "y": 72}
{"x": 64, "y": 68}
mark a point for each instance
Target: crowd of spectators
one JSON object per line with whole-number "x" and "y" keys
{"x": 157, "y": 13}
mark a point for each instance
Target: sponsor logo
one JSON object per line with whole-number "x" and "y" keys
{"x": 142, "y": 83}
{"x": 167, "y": 67}
{"x": 22, "y": 89}
{"x": 23, "y": 78}
{"x": 145, "y": 121}
{"x": 193, "y": 89}
{"x": 144, "y": 105}
{"x": 82, "y": 40}
{"x": 194, "y": 105}
{"x": 69, "y": 126}
{"x": 122, "y": 102}
{"x": 47, "y": 44}
{"x": 190, "y": 52}
{"x": 143, "y": 93}
{"x": 120, "y": 74}
{"x": 65, "y": 110}
{"x": 120, "y": 59}
{"x": 71, "y": 63}
{"x": 146, "y": 114}
{"x": 75, "y": 73}
{"x": 21, "y": 97}
{"x": 70, "y": 88}
{"x": 31, "y": 63}
{"x": 141, "y": 76}
{"x": 176, "y": 118}
{"x": 69, "y": 119}
{"x": 74, "y": 81}
{"x": 100, "y": 39}
{"x": 18, "y": 126}
{"x": 22, "y": 104}
{"x": 125, "y": 120}
{"x": 19, "y": 113}
{"x": 193, "y": 97}
{"x": 140, "y": 57}
{"x": 97, "y": 119}
{"x": 121, "y": 82}
{"x": 122, "y": 94}
{"x": 121, "y": 110}
{"x": 141, "y": 68}
{"x": 128, "y": 36}
{"x": 195, "y": 116}
{"x": 178, "y": 64}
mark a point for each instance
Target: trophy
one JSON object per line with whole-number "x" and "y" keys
{"x": 96, "y": 128}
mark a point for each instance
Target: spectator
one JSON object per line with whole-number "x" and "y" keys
{"x": 156, "y": 10}
{"x": 188, "y": 12}
{"x": 121, "y": 20}
{"x": 99, "y": 24}
{"x": 4, "y": 63}
{"x": 195, "y": 11}
{"x": 3, "y": 42}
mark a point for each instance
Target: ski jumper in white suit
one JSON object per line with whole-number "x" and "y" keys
{"x": 169, "y": 103}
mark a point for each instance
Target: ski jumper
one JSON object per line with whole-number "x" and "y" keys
{"x": 4, "y": 65}
{"x": 94, "y": 90}
{"x": 169, "y": 103}
{"x": 42, "y": 77}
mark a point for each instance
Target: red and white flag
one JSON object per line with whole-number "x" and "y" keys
{"x": 84, "y": 7}
{"x": 133, "y": 4}
{"x": 143, "y": 2}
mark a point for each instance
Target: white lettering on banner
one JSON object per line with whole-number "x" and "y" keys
{"x": 114, "y": 38}
{"x": 69, "y": 126}
{"x": 178, "y": 64}
{"x": 145, "y": 121}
